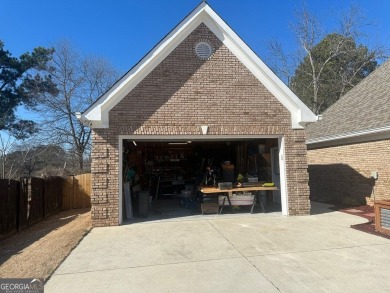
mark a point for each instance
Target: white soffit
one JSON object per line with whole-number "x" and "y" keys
{"x": 97, "y": 114}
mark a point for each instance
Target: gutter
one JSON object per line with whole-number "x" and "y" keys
{"x": 347, "y": 135}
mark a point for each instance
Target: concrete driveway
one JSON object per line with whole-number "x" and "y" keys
{"x": 229, "y": 253}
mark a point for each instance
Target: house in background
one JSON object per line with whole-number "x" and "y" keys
{"x": 200, "y": 93}
{"x": 349, "y": 148}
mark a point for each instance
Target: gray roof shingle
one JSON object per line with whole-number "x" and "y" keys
{"x": 366, "y": 106}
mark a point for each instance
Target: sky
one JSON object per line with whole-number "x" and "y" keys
{"x": 124, "y": 31}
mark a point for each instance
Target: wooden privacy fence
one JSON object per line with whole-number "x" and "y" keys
{"x": 9, "y": 205}
{"x": 25, "y": 202}
{"x": 76, "y": 192}
{"x": 30, "y": 200}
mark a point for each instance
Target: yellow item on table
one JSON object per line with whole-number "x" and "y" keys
{"x": 269, "y": 184}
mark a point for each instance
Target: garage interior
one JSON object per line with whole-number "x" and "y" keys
{"x": 163, "y": 179}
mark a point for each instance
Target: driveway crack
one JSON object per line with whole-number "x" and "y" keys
{"x": 145, "y": 266}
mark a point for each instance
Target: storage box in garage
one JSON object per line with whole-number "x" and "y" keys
{"x": 244, "y": 199}
{"x": 209, "y": 207}
{"x": 225, "y": 185}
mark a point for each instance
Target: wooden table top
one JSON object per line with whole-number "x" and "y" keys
{"x": 253, "y": 188}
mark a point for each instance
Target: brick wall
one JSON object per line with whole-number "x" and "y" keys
{"x": 181, "y": 94}
{"x": 343, "y": 173}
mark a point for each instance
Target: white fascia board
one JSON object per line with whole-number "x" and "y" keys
{"x": 300, "y": 113}
{"x": 98, "y": 113}
{"x": 351, "y": 137}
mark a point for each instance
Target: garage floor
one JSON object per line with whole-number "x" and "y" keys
{"x": 229, "y": 253}
{"x": 175, "y": 207}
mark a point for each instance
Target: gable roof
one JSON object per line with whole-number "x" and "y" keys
{"x": 96, "y": 116}
{"x": 361, "y": 113}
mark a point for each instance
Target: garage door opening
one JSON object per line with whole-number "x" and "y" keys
{"x": 164, "y": 179}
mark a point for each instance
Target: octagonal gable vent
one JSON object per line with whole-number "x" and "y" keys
{"x": 203, "y": 50}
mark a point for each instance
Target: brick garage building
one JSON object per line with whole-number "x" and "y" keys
{"x": 349, "y": 148}
{"x": 176, "y": 89}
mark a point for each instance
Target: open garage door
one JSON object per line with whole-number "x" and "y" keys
{"x": 162, "y": 178}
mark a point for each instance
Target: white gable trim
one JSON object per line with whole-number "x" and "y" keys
{"x": 97, "y": 114}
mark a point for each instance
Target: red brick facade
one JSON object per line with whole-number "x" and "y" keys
{"x": 343, "y": 173}
{"x": 176, "y": 98}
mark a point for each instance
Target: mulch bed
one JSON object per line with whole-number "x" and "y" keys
{"x": 366, "y": 212}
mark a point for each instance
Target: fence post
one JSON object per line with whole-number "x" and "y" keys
{"x": 60, "y": 192}
{"x": 44, "y": 199}
{"x": 18, "y": 199}
{"x": 71, "y": 205}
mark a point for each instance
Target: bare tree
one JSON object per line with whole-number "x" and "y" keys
{"x": 80, "y": 80}
{"x": 12, "y": 156}
{"x": 6, "y": 143}
{"x": 30, "y": 159}
{"x": 326, "y": 64}
{"x": 23, "y": 162}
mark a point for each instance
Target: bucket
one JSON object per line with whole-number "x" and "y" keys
{"x": 143, "y": 203}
